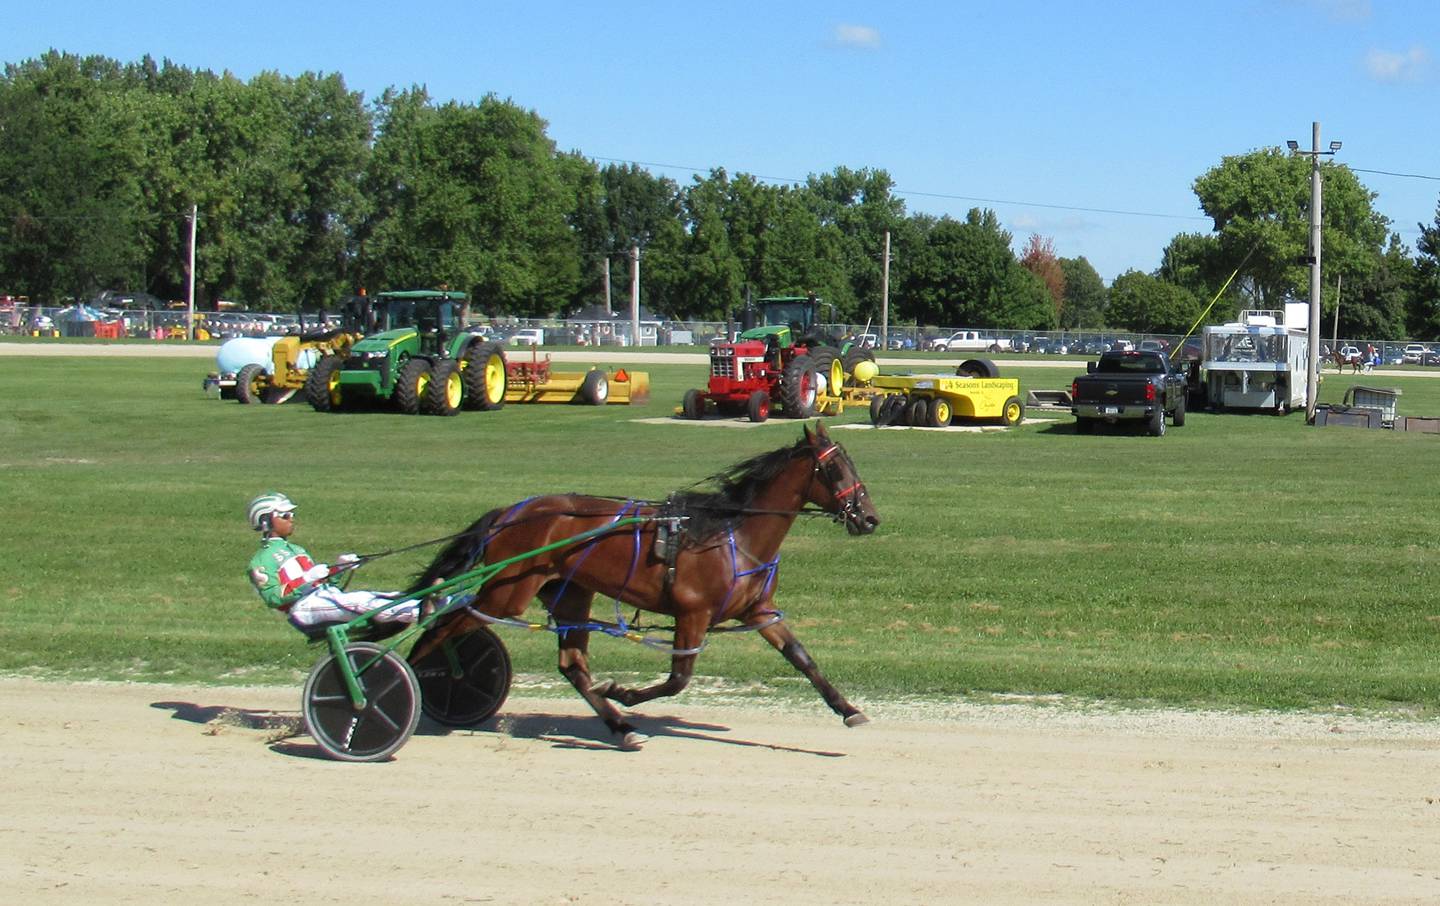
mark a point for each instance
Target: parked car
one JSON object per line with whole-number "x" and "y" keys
{"x": 528, "y": 336}
{"x": 1412, "y": 353}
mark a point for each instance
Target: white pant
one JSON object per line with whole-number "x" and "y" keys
{"x": 328, "y": 604}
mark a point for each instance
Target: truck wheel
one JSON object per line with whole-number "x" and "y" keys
{"x": 249, "y": 384}
{"x": 798, "y": 387}
{"x": 445, "y": 390}
{"x": 595, "y": 389}
{"x": 1157, "y": 423}
{"x": 322, "y": 384}
{"x": 1084, "y": 425}
{"x": 693, "y": 405}
{"x": 1013, "y": 412}
{"x": 411, "y": 385}
{"x": 1178, "y": 419}
{"x": 483, "y": 372}
{"x": 978, "y": 368}
{"x": 758, "y": 406}
{"x": 941, "y": 412}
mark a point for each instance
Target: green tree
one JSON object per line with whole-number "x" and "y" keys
{"x": 473, "y": 197}
{"x": 964, "y": 273}
{"x": 1142, "y": 302}
{"x": 1085, "y": 295}
{"x": 1260, "y": 202}
{"x": 1425, "y": 312}
{"x": 1039, "y": 259}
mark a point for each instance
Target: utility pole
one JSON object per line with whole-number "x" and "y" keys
{"x": 1313, "y": 378}
{"x": 885, "y": 297}
{"x": 190, "y": 280}
{"x": 605, "y": 266}
{"x": 635, "y": 295}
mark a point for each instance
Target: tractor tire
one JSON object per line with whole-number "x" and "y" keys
{"x": 977, "y": 368}
{"x": 249, "y": 384}
{"x": 941, "y": 412}
{"x": 322, "y": 384}
{"x": 891, "y": 411}
{"x": 692, "y": 405}
{"x": 825, "y": 359}
{"x": 918, "y": 412}
{"x": 445, "y": 391}
{"x": 1013, "y": 412}
{"x": 410, "y": 385}
{"x": 483, "y": 371}
{"x": 595, "y": 389}
{"x": 798, "y": 387}
{"x": 758, "y": 406}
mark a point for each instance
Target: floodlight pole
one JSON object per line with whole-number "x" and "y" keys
{"x": 1313, "y": 357}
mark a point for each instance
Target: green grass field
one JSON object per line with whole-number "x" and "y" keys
{"x": 1240, "y": 561}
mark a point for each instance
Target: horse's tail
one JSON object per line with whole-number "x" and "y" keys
{"x": 460, "y": 555}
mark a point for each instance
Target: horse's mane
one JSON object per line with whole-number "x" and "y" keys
{"x": 709, "y": 512}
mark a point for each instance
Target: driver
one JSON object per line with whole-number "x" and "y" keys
{"x": 288, "y": 580}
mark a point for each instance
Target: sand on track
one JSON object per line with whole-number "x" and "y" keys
{"x": 156, "y": 794}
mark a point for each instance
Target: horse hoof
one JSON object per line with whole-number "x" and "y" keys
{"x": 856, "y": 720}
{"x": 633, "y": 740}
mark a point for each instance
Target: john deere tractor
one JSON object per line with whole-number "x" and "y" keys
{"x": 779, "y": 359}
{"x": 419, "y": 358}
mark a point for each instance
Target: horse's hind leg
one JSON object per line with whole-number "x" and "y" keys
{"x": 574, "y": 662}
{"x": 779, "y": 635}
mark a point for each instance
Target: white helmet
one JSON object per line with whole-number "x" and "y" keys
{"x": 265, "y": 506}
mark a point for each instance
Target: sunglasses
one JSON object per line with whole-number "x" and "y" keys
{"x": 288, "y": 517}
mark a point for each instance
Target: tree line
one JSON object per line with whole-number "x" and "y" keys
{"x": 306, "y": 191}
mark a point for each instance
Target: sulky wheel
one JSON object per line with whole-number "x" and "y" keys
{"x": 322, "y": 384}
{"x": 250, "y": 384}
{"x": 463, "y": 681}
{"x": 483, "y": 370}
{"x": 381, "y": 727}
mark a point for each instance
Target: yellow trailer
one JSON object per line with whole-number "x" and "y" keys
{"x": 534, "y": 382}
{"x": 974, "y": 393}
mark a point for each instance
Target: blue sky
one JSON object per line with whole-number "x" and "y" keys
{"x": 1085, "y": 122}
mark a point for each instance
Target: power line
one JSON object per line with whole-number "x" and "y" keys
{"x": 1402, "y": 175}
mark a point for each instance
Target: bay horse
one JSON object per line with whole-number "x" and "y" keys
{"x": 702, "y": 558}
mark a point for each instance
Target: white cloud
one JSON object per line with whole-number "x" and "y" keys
{"x": 861, "y": 36}
{"x": 1390, "y": 66}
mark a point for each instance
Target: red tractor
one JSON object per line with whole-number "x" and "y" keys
{"x": 781, "y": 361}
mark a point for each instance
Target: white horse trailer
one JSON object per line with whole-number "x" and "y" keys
{"x": 1258, "y": 362}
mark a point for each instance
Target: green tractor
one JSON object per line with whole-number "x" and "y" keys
{"x": 419, "y": 358}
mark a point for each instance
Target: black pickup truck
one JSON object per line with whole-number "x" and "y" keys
{"x": 1128, "y": 386}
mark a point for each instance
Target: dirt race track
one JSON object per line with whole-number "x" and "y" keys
{"x": 174, "y": 795}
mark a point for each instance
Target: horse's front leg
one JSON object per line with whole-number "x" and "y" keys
{"x": 689, "y": 635}
{"x": 574, "y": 664}
{"x": 779, "y": 635}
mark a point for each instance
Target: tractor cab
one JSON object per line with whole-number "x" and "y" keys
{"x": 785, "y": 320}
{"x": 435, "y": 316}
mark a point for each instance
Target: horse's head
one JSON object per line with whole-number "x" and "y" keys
{"x": 839, "y": 490}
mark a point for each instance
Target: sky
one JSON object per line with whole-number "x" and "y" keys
{"x": 1083, "y": 122}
